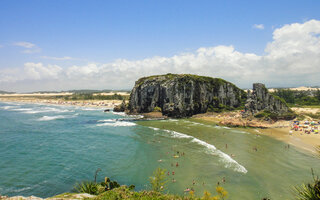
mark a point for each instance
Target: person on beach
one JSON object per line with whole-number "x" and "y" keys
{"x": 173, "y": 180}
{"x": 223, "y": 179}
{"x": 168, "y": 173}
{"x": 177, "y": 165}
{"x": 193, "y": 182}
{"x": 172, "y": 172}
{"x": 187, "y": 190}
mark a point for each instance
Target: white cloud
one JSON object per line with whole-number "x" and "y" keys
{"x": 292, "y": 58}
{"x": 57, "y": 58}
{"x": 36, "y": 71}
{"x": 258, "y": 26}
{"x": 29, "y": 47}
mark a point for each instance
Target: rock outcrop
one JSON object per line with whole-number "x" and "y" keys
{"x": 121, "y": 107}
{"x": 183, "y": 95}
{"x": 261, "y": 100}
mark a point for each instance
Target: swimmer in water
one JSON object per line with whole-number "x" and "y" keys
{"x": 177, "y": 165}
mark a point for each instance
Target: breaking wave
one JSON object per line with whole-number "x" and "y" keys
{"x": 116, "y": 123}
{"x": 49, "y": 118}
{"x": 211, "y": 149}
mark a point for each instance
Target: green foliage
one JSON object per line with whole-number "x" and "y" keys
{"x": 158, "y": 180}
{"x": 265, "y": 114}
{"x": 217, "y": 106}
{"x": 77, "y": 97}
{"x": 299, "y": 97}
{"x": 87, "y": 187}
{"x": 157, "y": 109}
{"x": 124, "y": 192}
{"x": 310, "y": 191}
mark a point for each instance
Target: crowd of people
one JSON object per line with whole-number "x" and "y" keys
{"x": 305, "y": 126}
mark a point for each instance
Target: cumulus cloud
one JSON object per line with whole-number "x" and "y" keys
{"x": 57, "y": 58}
{"x": 258, "y": 26}
{"x": 292, "y": 58}
{"x": 29, "y": 47}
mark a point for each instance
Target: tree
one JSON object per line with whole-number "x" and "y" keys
{"x": 158, "y": 180}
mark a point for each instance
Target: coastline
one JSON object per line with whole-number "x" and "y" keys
{"x": 279, "y": 130}
{"x": 107, "y": 104}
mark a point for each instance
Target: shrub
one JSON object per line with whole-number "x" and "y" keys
{"x": 157, "y": 109}
{"x": 158, "y": 180}
{"x": 310, "y": 191}
{"x": 87, "y": 187}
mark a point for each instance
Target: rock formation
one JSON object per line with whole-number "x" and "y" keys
{"x": 121, "y": 107}
{"x": 261, "y": 100}
{"x": 182, "y": 95}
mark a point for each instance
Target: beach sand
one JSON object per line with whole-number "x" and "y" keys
{"x": 107, "y": 104}
{"x": 279, "y": 130}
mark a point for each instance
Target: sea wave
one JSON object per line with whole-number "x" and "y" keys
{"x": 47, "y": 109}
{"x": 119, "y": 113}
{"x": 49, "y": 118}
{"x": 8, "y": 107}
{"x": 117, "y": 123}
{"x": 22, "y": 109}
{"x": 211, "y": 149}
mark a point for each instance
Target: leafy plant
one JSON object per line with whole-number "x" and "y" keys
{"x": 310, "y": 191}
{"x": 87, "y": 187}
{"x": 158, "y": 180}
{"x": 157, "y": 109}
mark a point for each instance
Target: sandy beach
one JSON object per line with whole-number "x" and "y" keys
{"x": 280, "y": 130}
{"x": 107, "y": 104}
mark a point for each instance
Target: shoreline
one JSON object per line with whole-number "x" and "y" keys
{"x": 279, "y": 130}
{"x": 106, "y": 104}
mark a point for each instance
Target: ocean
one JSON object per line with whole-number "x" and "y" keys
{"x": 46, "y": 149}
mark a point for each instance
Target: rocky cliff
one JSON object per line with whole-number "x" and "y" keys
{"x": 182, "y": 95}
{"x": 260, "y": 100}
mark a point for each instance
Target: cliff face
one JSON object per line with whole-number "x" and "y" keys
{"x": 182, "y": 95}
{"x": 260, "y": 99}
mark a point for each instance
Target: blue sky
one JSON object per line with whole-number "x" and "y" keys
{"x": 80, "y": 33}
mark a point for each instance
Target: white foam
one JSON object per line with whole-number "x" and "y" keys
{"x": 117, "y": 123}
{"x": 107, "y": 120}
{"x": 119, "y": 113}
{"x": 89, "y": 109}
{"x": 156, "y": 129}
{"x": 211, "y": 149}
{"x": 47, "y": 109}
{"x": 8, "y": 107}
{"x": 22, "y": 109}
{"x": 225, "y": 127}
{"x": 49, "y": 118}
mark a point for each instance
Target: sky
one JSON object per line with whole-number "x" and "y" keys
{"x": 48, "y": 45}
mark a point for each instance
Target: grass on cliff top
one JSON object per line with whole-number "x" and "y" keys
{"x": 124, "y": 193}
{"x": 190, "y": 76}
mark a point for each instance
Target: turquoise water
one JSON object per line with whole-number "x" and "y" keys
{"x": 46, "y": 149}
